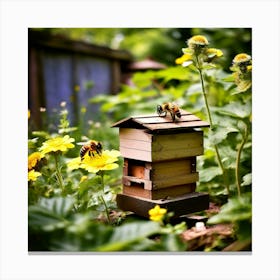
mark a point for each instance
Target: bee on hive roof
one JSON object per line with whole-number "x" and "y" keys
{"x": 169, "y": 107}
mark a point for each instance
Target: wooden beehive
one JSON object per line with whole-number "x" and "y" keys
{"x": 160, "y": 163}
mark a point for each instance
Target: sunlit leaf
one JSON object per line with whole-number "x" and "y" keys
{"x": 247, "y": 180}
{"x": 237, "y": 110}
{"x": 50, "y": 214}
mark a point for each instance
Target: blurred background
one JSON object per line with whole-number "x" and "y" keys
{"x": 78, "y": 65}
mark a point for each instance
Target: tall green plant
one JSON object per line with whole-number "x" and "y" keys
{"x": 201, "y": 58}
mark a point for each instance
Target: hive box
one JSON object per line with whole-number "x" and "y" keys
{"x": 160, "y": 163}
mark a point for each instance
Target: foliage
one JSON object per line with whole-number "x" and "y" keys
{"x": 54, "y": 226}
{"x": 72, "y": 205}
{"x": 162, "y": 44}
{"x": 75, "y": 210}
{"x": 238, "y": 211}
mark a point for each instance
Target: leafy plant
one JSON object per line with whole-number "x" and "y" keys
{"x": 74, "y": 209}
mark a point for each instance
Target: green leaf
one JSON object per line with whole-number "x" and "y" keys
{"x": 218, "y": 134}
{"x": 50, "y": 214}
{"x": 174, "y": 73}
{"x": 237, "y": 110}
{"x": 143, "y": 80}
{"x": 230, "y": 79}
{"x": 129, "y": 233}
{"x": 237, "y": 209}
{"x": 58, "y": 205}
{"x": 172, "y": 243}
{"x": 208, "y": 174}
{"x": 42, "y": 134}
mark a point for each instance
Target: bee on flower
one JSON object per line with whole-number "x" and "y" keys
{"x": 105, "y": 161}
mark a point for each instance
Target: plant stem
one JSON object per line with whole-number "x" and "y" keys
{"x": 238, "y": 184}
{"x": 222, "y": 168}
{"x": 106, "y": 208}
{"x": 205, "y": 98}
{"x": 211, "y": 124}
{"x": 102, "y": 198}
{"x": 59, "y": 177}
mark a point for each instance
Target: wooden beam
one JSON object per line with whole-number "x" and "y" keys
{"x": 183, "y": 205}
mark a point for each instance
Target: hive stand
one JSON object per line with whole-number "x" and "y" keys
{"x": 160, "y": 164}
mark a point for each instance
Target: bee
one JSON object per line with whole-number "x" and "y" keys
{"x": 172, "y": 108}
{"x": 90, "y": 148}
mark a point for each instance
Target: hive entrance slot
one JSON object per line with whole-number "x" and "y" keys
{"x": 136, "y": 168}
{"x": 137, "y": 185}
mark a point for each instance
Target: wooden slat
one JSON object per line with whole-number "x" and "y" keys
{"x": 130, "y": 180}
{"x": 175, "y": 181}
{"x": 136, "y": 154}
{"x": 160, "y": 156}
{"x": 164, "y": 147}
{"x": 135, "y": 144}
{"x": 167, "y": 119}
{"x": 181, "y": 205}
{"x": 176, "y": 125}
{"x": 161, "y": 193}
{"x": 161, "y": 184}
{"x": 182, "y": 141}
{"x": 177, "y": 154}
{"x": 175, "y": 168}
{"x": 135, "y": 134}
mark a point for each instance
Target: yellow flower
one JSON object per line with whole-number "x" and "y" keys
{"x": 157, "y": 213}
{"x": 33, "y": 159}
{"x": 241, "y": 58}
{"x": 197, "y": 41}
{"x": 29, "y": 114}
{"x": 212, "y": 52}
{"x": 105, "y": 161}
{"x": 249, "y": 68}
{"x": 74, "y": 163}
{"x": 185, "y": 57}
{"x": 32, "y": 175}
{"x": 57, "y": 144}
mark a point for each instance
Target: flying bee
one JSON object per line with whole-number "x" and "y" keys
{"x": 172, "y": 108}
{"x": 91, "y": 147}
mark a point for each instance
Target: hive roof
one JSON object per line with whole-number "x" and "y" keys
{"x": 156, "y": 123}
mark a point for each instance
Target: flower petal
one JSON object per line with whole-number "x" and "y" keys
{"x": 187, "y": 63}
{"x": 32, "y": 175}
{"x": 74, "y": 163}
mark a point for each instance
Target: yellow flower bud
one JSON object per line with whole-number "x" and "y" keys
{"x": 241, "y": 58}
{"x": 197, "y": 41}
{"x": 32, "y": 175}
